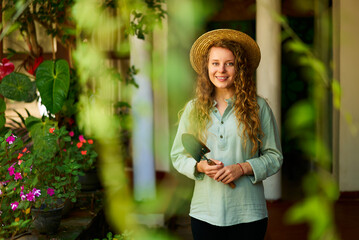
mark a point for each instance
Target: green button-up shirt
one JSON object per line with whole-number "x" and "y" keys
{"x": 215, "y": 202}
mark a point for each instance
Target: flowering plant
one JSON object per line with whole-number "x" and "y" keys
{"x": 42, "y": 175}
{"x": 55, "y": 167}
{"x": 83, "y": 150}
{"x": 17, "y": 186}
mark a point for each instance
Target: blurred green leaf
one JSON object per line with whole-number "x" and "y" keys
{"x": 317, "y": 211}
{"x": 296, "y": 46}
{"x": 301, "y": 115}
{"x": 337, "y": 91}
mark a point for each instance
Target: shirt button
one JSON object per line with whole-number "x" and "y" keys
{"x": 221, "y": 122}
{"x": 221, "y": 136}
{"x": 215, "y": 111}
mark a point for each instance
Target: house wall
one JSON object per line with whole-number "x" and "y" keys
{"x": 347, "y": 70}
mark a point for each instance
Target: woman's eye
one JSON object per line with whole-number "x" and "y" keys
{"x": 215, "y": 63}
{"x": 230, "y": 64}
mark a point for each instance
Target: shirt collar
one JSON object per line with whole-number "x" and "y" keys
{"x": 229, "y": 101}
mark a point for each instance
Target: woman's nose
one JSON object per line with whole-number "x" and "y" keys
{"x": 222, "y": 68}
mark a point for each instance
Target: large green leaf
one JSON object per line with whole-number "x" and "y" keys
{"x": 2, "y": 120}
{"x": 53, "y": 81}
{"x": 44, "y": 141}
{"x": 18, "y": 87}
{"x": 2, "y": 105}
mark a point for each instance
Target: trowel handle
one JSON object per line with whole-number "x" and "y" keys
{"x": 210, "y": 162}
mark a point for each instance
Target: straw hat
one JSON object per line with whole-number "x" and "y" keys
{"x": 201, "y": 45}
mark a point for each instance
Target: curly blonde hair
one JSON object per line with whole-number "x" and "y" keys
{"x": 245, "y": 105}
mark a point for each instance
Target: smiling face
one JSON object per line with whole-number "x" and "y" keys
{"x": 221, "y": 68}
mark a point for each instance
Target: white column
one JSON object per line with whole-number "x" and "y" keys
{"x": 160, "y": 98}
{"x": 269, "y": 74}
{"x": 142, "y": 111}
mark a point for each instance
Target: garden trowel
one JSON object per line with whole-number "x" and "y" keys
{"x": 197, "y": 150}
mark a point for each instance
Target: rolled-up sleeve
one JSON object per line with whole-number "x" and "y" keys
{"x": 270, "y": 158}
{"x": 181, "y": 160}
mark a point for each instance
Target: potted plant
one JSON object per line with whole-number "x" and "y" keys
{"x": 40, "y": 177}
{"x": 83, "y": 150}
{"x": 18, "y": 192}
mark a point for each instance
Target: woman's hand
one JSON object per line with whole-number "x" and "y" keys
{"x": 230, "y": 173}
{"x": 209, "y": 170}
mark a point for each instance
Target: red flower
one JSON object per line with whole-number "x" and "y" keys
{"x": 51, "y": 130}
{"x": 90, "y": 141}
{"x": 84, "y": 152}
{"x": 33, "y": 68}
{"x": 6, "y": 67}
{"x": 79, "y": 144}
{"x": 20, "y": 155}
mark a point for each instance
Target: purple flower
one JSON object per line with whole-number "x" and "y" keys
{"x": 50, "y": 191}
{"x": 11, "y": 170}
{"x": 36, "y": 192}
{"x": 10, "y": 139}
{"x": 18, "y": 176}
{"x": 14, "y": 205}
{"x": 30, "y": 197}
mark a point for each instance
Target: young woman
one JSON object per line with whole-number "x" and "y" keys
{"x": 240, "y": 130}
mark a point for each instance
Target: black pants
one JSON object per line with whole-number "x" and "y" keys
{"x": 244, "y": 231}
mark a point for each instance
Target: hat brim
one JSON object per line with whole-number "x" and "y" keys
{"x": 201, "y": 45}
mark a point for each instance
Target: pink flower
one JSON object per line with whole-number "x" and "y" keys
{"x": 50, "y": 191}
{"x": 36, "y": 192}
{"x": 19, "y": 162}
{"x": 11, "y": 138}
{"x": 30, "y": 197}
{"x": 71, "y": 133}
{"x": 17, "y": 176}
{"x": 22, "y": 196}
{"x": 82, "y": 139}
{"x": 22, "y": 188}
{"x": 6, "y": 67}
{"x": 0, "y": 192}
{"x": 14, "y": 205}
{"x": 11, "y": 170}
